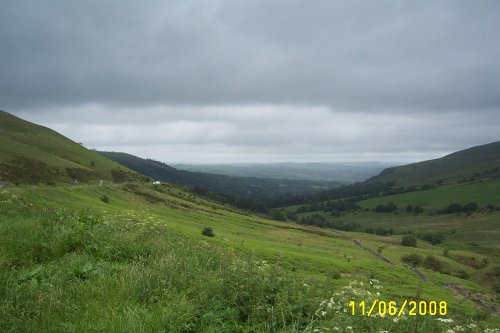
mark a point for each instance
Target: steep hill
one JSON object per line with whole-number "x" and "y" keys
{"x": 262, "y": 188}
{"x": 31, "y": 154}
{"x": 480, "y": 162}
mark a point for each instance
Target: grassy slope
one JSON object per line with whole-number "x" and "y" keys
{"x": 480, "y": 161}
{"x": 483, "y": 193}
{"x": 32, "y": 153}
{"x": 147, "y": 267}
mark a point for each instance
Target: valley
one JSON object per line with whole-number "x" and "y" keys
{"x": 107, "y": 254}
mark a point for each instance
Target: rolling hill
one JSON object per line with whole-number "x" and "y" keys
{"x": 480, "y": 162}
{"x": 31, "y": 153}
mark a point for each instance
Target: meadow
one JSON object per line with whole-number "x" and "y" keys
{"x": 131, "y": 258}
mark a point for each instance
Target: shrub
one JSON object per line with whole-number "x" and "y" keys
{"x": 454, "y": 208}
{"x": 413, "y": 259}
{"x": 409, "y": 208}
{"x": 207, "y": 231}
{"x": 433, "y": 238}
{"x": 433, "y": 263}
{"x": 470, "y": 207}
{"x": 105, "y": 198}
{"x": 462, "y": 274}
{"x": 383, "y": 231}
{"x": 418, "y": 210}
{"x": 389, "y": 208}
{"x": 409, "y": 240}
{"x": 496, "y": 287}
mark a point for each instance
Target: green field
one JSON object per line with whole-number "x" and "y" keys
{"x": 483, "y": 193}
{"x": 73, "y": 263}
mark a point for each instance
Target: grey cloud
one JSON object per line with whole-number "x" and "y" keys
{"x": 351, "y": 55}
{"x": 277, "y": 133}
{"x": 187, "y": 81}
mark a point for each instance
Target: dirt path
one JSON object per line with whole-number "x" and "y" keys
{"x": 473, "y": 297}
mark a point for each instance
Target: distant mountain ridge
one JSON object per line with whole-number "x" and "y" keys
{"x": 262, "y": 188}
{"x": 469, "y": 164}
{"x": 345, "y": 172}
{"x": 31, "y": 154}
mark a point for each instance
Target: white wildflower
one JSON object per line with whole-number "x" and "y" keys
{"x": 445, "y": 320}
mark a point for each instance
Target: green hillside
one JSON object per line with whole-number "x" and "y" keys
{"x": 142, "y": 257}
{"x": 480, "y": 162}
{"x": 32, "y": 154}
{"x": 483, "y": 193}
{"x": 132, "y": 257}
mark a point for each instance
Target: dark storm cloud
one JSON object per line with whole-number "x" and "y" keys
{"x": 343, "y": 54}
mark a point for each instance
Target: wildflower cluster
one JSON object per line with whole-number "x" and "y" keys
{"x": 449, "y": 326}
{"x": 145, "y": 223}
{"x": 333, "y": 314}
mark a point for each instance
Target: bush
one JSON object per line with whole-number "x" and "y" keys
{"x": 454, "y": 208}
{"x": 433, "y": 238}
{"x": 389, "y": 208}
{"x": 496, "y": 287}
{"x": 413, "y": 259}
{"x": 207, "y": 231}
{"x": 418, "y": 210}
{"x": 409, "y": 240}
{"x": 383, "y": 231}
{"x": 105, "y": 198}
{"x": 433, "y": 263}
{"x": 462, "y": 274}
{"x": 470, "y": 207}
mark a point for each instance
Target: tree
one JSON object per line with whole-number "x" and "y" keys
{"x": 409, "y": 240}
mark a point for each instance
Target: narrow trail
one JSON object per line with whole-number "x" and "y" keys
{"x": 473, "y": 297}
{"x": 376, "y": 254}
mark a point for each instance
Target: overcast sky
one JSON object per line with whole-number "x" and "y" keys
{"x": 256, "y": 81}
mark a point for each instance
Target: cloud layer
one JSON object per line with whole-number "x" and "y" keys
{"x": 257, "y": 80}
